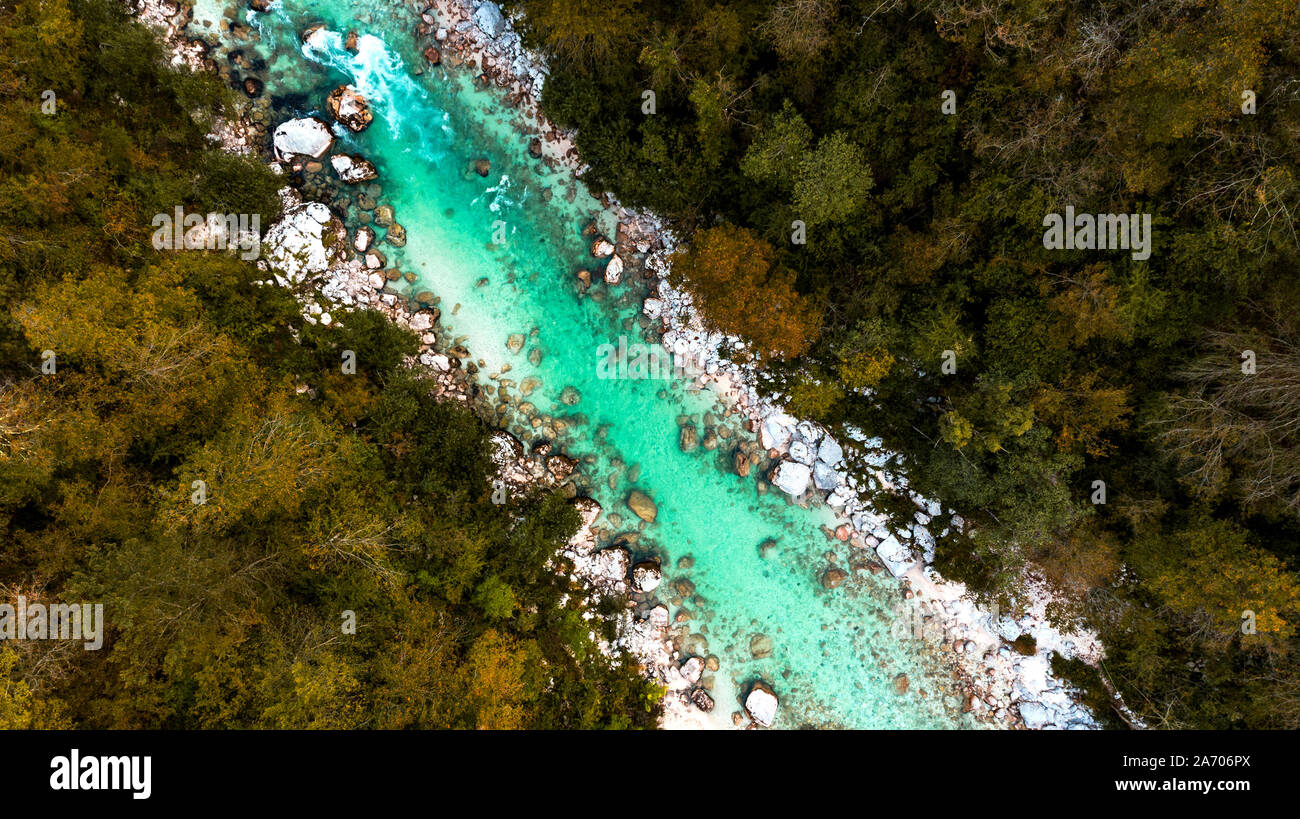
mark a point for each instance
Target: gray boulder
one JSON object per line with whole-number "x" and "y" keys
{"x": 489, "y": 19}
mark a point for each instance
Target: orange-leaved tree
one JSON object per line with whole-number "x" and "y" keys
{"x": 742, "y": 290}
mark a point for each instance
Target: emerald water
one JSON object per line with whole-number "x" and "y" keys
{"x": 834, "y": 660}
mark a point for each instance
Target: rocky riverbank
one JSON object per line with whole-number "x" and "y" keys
{"x": 1003, "y": 661}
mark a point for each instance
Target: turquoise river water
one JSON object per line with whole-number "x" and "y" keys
{"x": 834, "y": 660}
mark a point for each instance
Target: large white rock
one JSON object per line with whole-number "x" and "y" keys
{"x": 614, "y": 270}
{"x": 296, "y": 244}
{"x": 775, "y": 431}
{"x": 825, "y": 477}
{"x": 761, "y": 704}
{"x": 830, "y": 452}
{"x": 307, "y": 136}
{"x": 646, "y": 577}
{"x": 693, "y": 669}
{"x": 658, "y": 617}
{"x": 801, "y": 452}
{"x": 1034, "y": 715}
{"x": 808, "y": 432}
{"x": 489, "y": 20}
{"x": 353, "y": 169}
{"x": 612, "y": 564}
{"x": 791, "y": 478}
{"x": 896, "y": 557}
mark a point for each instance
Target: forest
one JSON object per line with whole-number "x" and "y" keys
{"x": 277, "y": 543}
{"x": 865, "y": 185}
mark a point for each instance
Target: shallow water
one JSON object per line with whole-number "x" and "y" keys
{"x": 834, "y": 660}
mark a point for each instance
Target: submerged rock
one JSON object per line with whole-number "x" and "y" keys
{"x": 760, "y": 646}
{"x": 741, "y": 463}
{"x": 642, "y": 505}
{"x": 689, "y": 439}
{"x": 834, "y": 577}
{"x": 395, "y": 235}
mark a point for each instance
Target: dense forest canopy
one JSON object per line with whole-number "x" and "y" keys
{"x": 921, "y": 144}
{"x": 330, "y": 498}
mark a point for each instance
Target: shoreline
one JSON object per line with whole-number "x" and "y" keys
{"x": 1001, "y": 684}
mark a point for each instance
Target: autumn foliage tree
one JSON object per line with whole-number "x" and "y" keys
{"x": 739, "y": 286}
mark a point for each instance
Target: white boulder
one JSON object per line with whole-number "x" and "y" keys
{"x": 825, "y": 477}
{"x": 353, "y": 169}
{"x": 801, "y": 452}
{"x": 489, "y": 20}
{"x": 614, "y": 270}
{"x": 693, "y": 669}
{"x": 761, "y": 704}
{"x": 646, "y": 577}
{"x": 830, "y": 452}
{"x": 896, "y": 557}
{"x": 1034, "y": 714}
{"x": 306, "y": 136}
{"x": 297, "y": 246}
{"x": 791, "y": 478}
{"x": 776, "y": 430}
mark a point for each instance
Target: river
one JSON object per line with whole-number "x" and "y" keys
{"x": 834, "y": 662}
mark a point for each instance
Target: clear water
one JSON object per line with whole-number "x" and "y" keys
{"x": 834, "y": 660}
